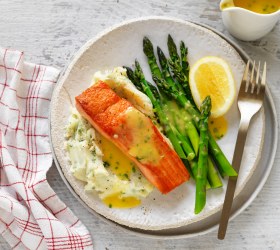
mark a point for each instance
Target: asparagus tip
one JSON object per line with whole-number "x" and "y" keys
{"x": 162, "y": 58}
{"x": 170, "y": 40}
{"x": 199, "y": 208}
{"x": 206, "y": 106}
{"x": 127, "y": 68}
{"x": 182, "y": 44}
{"x": 137, "y": 63}
{"x": 147, "y": 46}
{"x": 159, "y": 50}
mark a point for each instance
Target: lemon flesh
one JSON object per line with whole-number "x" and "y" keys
{"x": 212, "y": 76}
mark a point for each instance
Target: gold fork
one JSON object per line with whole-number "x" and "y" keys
{"x": 250, "y": 100}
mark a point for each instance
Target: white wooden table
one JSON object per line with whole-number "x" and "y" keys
{"x": 50, "y": 32}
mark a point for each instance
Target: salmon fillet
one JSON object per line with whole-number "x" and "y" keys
{"x": 134, "y": 133}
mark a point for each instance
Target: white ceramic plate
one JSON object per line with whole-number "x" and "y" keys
{"x": 120, "y": 46}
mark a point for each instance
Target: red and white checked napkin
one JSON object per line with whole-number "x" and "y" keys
{"x": 31, "y": 214}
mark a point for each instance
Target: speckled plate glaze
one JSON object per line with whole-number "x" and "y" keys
{"x": 168, "y": 215}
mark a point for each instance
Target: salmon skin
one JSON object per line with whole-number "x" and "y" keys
{"x": 134, "y": 133}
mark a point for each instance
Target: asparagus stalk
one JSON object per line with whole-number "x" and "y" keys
{"x": 201, "y": 178}
{"x": 187, "y": 165}
{"x": 171, "y": 132}
{"x": 190, "y": 129}
{"x": 181, "y": 72}
{"x": 166, "y": 72}
{"x": 149, "y": 52}
{"x": 180, "y": 69}
{"x": 185, "y": 144}
{"x": 175, "y": 115}
{"x": 221, "y": 161}
{"x": 219, "y": 158}
{"x": 166, "y": 84}
{"x": 184, "y": 60}
{"x": 172, "y": 48}
{"x": 130, "y": 74}
{"x": 194, "y": 169}
{"x": 212, "y": 175}
{"x": 151, "y": 91}
{"x": 146, "y": 88}
{"x": 172, "y": 91}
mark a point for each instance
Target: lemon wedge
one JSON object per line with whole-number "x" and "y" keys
{"x": 212, "y": 76}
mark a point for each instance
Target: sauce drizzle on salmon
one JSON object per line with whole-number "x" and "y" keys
{"x": 134, "y": 133}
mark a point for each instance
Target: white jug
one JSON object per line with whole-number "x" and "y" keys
{"x": 244, "y": 24}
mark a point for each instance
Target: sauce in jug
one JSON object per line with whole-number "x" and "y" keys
{"x": 259, "y": 6}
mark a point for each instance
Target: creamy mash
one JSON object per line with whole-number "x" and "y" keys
{"x": 99, "y": 163}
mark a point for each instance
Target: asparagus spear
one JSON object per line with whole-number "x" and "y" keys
{"x": 172, "y": 91}
{"x": 144, "y": 86}
{"x": 221, "y": 161}
{"x": 184, "y": 61}
{"x": 149, "y": 52}
{"x": 219, "y": 158}
{"x": 201, "y": 178}
{"x": 130, "y": 74}
{"x": 194, "y": 168}
{"x": 184, "y": 143}
{"x": 178, "y": 116}
{"x": 212, "y": 175}
{"x": 171, "y": 131}
{"x": 167, "y": 85}
{"x": 181, "y": 72}
{"x": 180, "y": 69}
{"x": 166, "y": 72}
{"x": 190, "y": 129}
{"x": 172, "y": 48}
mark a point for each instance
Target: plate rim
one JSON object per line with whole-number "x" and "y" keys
{"x": 244, "y": 57}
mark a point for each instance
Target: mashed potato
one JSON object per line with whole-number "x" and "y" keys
{"x": 98, "y": 162}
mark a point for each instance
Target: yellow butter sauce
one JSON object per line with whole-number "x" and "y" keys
{"x": 118, "y": 163}
{"x": 143, "y": 146}
{"x": 115, "y": 160}
{"x": 115, "y": 201}
{"x": 218, "y": 127}
{"x": 258, "y": 6}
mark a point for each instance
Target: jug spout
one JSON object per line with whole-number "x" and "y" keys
{"x": 244, "y": 24}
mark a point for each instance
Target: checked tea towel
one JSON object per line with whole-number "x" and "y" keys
{"x": 31, "y": 214}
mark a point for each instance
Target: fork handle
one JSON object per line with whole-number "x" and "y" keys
{"x": 236, "y": 162}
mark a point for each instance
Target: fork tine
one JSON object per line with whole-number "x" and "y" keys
{"x": 257, "y": 85}
{"x": 263, "y": 78}
{"x": 244, "y": 82}
{"x": 252, "y": 81}
{"x": 258, "y": 77}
